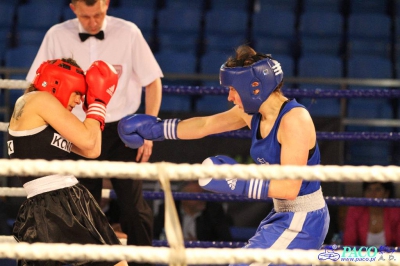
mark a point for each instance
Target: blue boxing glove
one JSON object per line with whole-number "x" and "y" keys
{"x": 253, "y": 188}
{"x": 134, "y": 129}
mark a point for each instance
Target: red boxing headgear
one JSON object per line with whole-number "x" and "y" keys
{"x": 60, "y": 79}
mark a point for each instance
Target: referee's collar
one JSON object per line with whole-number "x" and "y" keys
{"x": 82, "y": 30}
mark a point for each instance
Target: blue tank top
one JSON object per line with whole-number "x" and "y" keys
{"x": 268, "y": 149}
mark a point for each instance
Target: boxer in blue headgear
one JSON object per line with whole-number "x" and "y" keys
{"x": 254, "y": 83}
{"x": 282, "y": 133}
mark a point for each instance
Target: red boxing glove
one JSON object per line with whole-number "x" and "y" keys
{"x": 102, "y": 80}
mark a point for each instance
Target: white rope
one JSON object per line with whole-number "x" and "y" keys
{"x": 172, "y": 225}
{"x": 7, "y": 239}
{"x": 174, "y": 172}
{"x": 12, "y": 191}
{"x": 3, "y": 126}
{"x": 13, "y": 84}
{"x": 44, "y": 251}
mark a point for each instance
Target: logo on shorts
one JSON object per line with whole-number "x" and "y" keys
{"x": 10, "y": 146}
{"x": 231, "y": 183}
{"x": 61, "y": 143}
{"x": 262, "y": 160}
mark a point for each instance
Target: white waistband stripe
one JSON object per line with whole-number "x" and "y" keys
{"x": 49, "y": 183}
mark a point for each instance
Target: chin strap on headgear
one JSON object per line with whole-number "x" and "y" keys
{"x": 60, "y": 79}
{"x": 254, "y": 83}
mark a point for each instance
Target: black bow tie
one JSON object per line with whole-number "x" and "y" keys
{"x": 84, "y": 36}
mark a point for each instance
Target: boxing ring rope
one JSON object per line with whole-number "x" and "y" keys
{"x": 165, "y": 172}
{"x": 184, "y": 171}
{"x": 177, "y": 254}
{"x": 161, "y": 254}
{"x": 150, "y": 195}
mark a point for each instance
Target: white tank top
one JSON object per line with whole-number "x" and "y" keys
{"x": 376, "y": 239}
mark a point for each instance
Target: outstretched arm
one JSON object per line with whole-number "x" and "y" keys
{"x": 134, "y": 129}
{"x": 199, "y": 127}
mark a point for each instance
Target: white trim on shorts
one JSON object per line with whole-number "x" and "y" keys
{"x": 49, "y": 183}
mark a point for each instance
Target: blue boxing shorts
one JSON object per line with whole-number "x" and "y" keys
{"x": 298, "y": 224}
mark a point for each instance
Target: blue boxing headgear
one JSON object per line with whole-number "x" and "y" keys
{"x": 254, "y": 83}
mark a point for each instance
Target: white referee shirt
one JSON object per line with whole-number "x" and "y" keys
{"x": 123, "y": 46}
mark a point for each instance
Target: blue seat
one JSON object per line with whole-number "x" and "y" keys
{"x": 369, "y": 67}
{"x": 7, "y": 12}
{"x": 222, "y": 5}
{"x": 5, "y": 35}
{"x": 321, "y": 32}
{"x": 368, "y": 153}
{"x": 19, "y": 57}
{"x": 224, "y": 30}
{"x": 273, "y": 30}
{"x": 321, "y": 66}
{"x": 184, "y": 4}
{"x": 321, "y": 24}
{"x": 274, "y": 22}
{"x": 180, "y": 20}
{"x": 323, "y": 6}
{"x": 137, "y": 3}
{"x": 223, "y": 44}
{"x": 178, "y": 42}
{"x": 176, "y": 62}
{"x": 368, "y": 6}
{"x": 143, "y": 17}
{"x": 28, "y": 14}
{"x": 273, "y": 45}
{"x": 8, "y": 262}
{"x": 369, "y": 26}
{"x": 57, "y": 5}
{"x": 369, "y": 34}
{"x": 179, "y": 28}
{"x": 398, "y": 67}
{"x": 397, "y": 8}
{"x": 288, "y": 5}
{"x": 173, "y": 62}
{"x": 30, "y": 36}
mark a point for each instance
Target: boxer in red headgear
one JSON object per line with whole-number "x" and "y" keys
{"x": 58, "y": 208}
{"x": 60, "y": 78}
